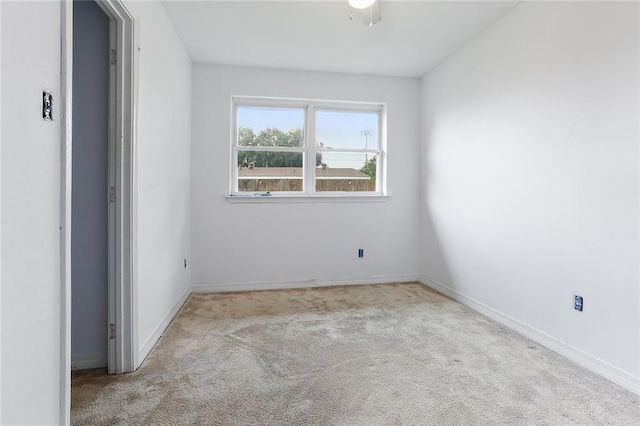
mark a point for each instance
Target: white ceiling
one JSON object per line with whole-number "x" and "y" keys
{"x": 412, "y": 37}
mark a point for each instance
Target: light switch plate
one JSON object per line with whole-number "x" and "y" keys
{"x": 578, "y": 303}
{"x": 47, "y": 105}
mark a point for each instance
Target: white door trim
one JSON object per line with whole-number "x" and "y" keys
{"x": 123, "y": 304}
{"x": 66, "y": 85}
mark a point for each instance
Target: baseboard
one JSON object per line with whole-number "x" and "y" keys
{"x": 88, "y": 361}
{"x": 604, "y": 369}
{"x": 279, "y": 285}
{"x": 148, "y": 345}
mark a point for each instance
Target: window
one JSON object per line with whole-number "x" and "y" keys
{"x": 298, "y": 147}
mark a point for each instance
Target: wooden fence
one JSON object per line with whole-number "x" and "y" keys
{"x": 322, "y": 185}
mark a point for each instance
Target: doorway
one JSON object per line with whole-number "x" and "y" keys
{"x": 92, "y": 230}
{"x": 121, "y": 101}
{"x": 122, "y": 352}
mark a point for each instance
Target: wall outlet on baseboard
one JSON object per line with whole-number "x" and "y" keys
{"x": 360, "y": 252}
{"x": 185, "y": 264}
{"x": 577, "y": 303}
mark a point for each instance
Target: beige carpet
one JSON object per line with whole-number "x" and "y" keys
{"x": 396, "y": 354}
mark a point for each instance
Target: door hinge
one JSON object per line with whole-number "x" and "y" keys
{"x": 112, "y": 194}
{"x": 112, "y": 331}
{"x": 114, "y": 57}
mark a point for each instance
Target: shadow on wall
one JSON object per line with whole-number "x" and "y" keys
{"x": 433, "y": 265}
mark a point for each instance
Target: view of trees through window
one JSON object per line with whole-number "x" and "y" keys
{"x": 271, "y": 153}
{"x": 271, "y": 137}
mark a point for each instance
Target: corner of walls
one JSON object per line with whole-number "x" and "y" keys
{"x": 637, "y": 15}
{"x": 1, "y": 212}
{"x": 422, "y": 177}
{"x": 432, "y": 259}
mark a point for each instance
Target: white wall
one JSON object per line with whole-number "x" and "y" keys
{"x": 30, "y": 214}
{"x": 163, "y": 177}
{"x": 530, "y": 184}
{"x": 251, "y": 245}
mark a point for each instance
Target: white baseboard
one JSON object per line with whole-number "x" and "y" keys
{"x": 148, "y": 345}
{"x": 279, "y": 285}
{"x": 604, "y": 369}
{"x": 88, "y": 361}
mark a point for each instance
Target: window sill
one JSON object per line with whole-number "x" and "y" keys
{"x": 257, "y": 199}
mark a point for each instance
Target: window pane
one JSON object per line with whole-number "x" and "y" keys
{"x": 262, "y": 171}
{"x": 343, "y": 171}
{"x": 258, "y": 126}
{"x": 347, "y": 129}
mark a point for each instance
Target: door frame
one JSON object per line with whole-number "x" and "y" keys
{"x": 123, "y": 316}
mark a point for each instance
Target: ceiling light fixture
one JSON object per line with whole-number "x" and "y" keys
{"x": 361, "y": 4}
{"x": 369, "y": 9}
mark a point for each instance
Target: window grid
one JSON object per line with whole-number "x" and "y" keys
{"x": 309, "y": 148}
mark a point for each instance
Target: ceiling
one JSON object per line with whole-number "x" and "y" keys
{"x": 413, "y": 36}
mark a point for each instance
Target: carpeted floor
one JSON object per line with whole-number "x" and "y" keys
{"x": 397, "y": 354}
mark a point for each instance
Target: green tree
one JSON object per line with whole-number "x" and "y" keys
{"x": 275, "y": 138}
{"x": 369, "y": 168}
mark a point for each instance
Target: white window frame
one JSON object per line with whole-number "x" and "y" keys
{"x": 309, "y": 148}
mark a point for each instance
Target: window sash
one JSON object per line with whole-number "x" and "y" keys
{"x": 376, "y": 191}
{"x": 271, "y": 148}
{"x": 309, "y": 148}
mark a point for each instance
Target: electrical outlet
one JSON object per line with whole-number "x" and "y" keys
{"x": 577, "y": 303}
{"x": 360, "y": 252}
{"x": 185, "y": 264}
